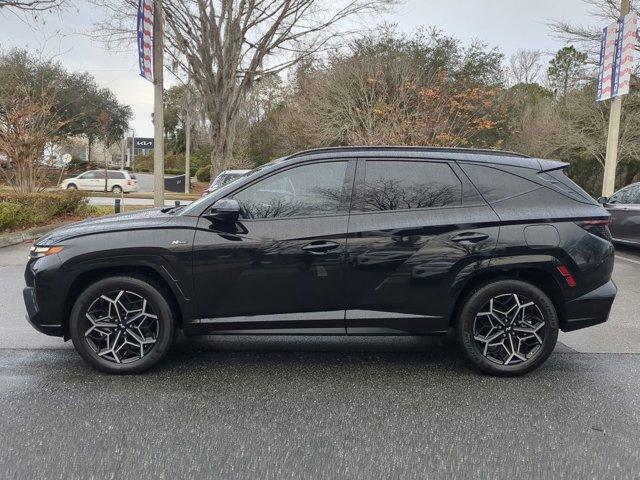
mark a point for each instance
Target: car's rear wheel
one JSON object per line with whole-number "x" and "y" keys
{"x": 508, "y": 327}
{"x": 117, "y": 189}
{"x": 122, "y": 325}
{"x": 72, "y": 186}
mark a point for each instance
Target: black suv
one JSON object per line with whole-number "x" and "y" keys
{"x": 502, "y": 248}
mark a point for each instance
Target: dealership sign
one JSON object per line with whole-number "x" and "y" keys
{"x": 617, "y": 57}
{"x": 143, "y": 143}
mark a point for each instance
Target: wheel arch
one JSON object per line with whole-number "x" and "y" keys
{"x": 539, "y": 276}
{"x": 141, "y": 272}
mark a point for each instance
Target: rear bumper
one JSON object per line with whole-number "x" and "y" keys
{"x": 590, "y": 309}
{"x": 34, "y": 315}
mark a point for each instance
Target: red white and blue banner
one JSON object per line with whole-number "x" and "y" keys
{"x": 145, "y": 38}
{"x": 617, "y": 57}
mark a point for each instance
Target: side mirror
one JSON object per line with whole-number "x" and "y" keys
{"x": 603, "y": 200}
{"x": 225, "y": 210}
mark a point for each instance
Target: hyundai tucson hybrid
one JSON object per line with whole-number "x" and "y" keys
{"x": 502, "y": 249}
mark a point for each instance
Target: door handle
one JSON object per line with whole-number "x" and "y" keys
{"x": 318, "y": 248}
{"x": 470, "y": 237}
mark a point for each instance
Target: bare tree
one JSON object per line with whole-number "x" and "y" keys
{"x": 587, "y": 38}
{"x": 32, "y": 5}
{"x": 525, "y": 67}
{"x": 226, "y": 46}
{"x": 27, "y": 125}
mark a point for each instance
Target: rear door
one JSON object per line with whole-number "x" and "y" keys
{"x": 415, "y": 226}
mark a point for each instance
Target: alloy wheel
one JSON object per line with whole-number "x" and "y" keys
{"x": 121, "y": 326}
{"x": 509, "y": 329}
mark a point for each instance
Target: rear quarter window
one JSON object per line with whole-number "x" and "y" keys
{"x": 496, "y": 185}
{"x": 564, "y": 184}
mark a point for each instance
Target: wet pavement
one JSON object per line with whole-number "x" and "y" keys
{"x": 321, "y": 407}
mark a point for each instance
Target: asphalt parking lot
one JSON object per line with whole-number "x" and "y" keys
{"x": 321, "y": 407}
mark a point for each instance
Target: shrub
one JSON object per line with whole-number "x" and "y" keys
{"x": 25, "y": 210}
{"x": 11, "y": 215}
{"x": 203, "y": 174}
{"x": 172, "y": 163}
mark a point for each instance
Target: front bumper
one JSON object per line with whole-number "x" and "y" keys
{"x": 34, "y": 315}
{"x": 590, "y": 309}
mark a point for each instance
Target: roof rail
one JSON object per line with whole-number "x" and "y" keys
{"x": 480, "y": 151}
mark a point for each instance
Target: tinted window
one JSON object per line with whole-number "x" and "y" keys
{"x": 628, "y": 195}
{"x": 307, "y": 190}
{"x": 496, "y": 185}
{"x": 566, "y": 185}
{"x": 395, "y": 185}
{"x": 116, "y": 175}
{"x": 133, "y": 177}
{"x": 88, "y": 176}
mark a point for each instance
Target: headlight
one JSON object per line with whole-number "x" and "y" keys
{"x": 38, "y": 252}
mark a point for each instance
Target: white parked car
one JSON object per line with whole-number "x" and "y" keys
{"x": 118, "y": 181}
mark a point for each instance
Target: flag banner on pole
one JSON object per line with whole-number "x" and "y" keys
{"x": 617, "y": 57}
{"x": 145, "y": 38}
{"x": 625, "y": 59}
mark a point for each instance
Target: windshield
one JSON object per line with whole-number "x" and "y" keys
{"x": 228, "y": 187}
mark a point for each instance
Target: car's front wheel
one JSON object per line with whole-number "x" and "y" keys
{"x": 508, "y": 327}
{"x": 72, "y": 186}
{"x": 122, "y": 325}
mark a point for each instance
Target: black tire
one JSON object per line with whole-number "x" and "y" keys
{"x": 485, "y": 355}
{"x": 72, "y": 186}
{"x": 163, "y": 327}
{"x": 117, "y": 189}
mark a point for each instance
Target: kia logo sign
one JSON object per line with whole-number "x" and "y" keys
{"x": 144, "y": 143}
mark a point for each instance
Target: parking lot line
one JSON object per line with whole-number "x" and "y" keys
{"x": 637, "y": 262}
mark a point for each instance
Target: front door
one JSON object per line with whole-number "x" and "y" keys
{"x": 410, "y": 235}
{"x": 280, "y": 269}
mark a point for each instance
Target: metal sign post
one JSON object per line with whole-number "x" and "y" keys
{"x": 616, "y": 61}
{"x": 150, "y": 50}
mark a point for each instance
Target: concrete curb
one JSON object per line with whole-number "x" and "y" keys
{"x": 14, "y": 238}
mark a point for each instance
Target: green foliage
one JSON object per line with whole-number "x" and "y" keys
{"x": 12, "y": 215}
{"x": 204, "y": 174}
{"x": 173, "y": 164}
{"x": 26, "y": 210}
{"x": 201, "y": 158}
{"x": 86, "y": 108}
{"x": 566, "y": 69}
{"x": 174, "y": 118}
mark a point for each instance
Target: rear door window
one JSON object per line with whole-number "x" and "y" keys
{"x": 405, "y": 185}
{"x": 116, "y": 175}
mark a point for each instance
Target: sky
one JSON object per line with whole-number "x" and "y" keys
{"x": 507, "y": 24}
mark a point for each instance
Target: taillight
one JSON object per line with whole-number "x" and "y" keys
{"x": 130, "y": 182}
{"x": 598, "y": 227}
{"x": 566, "y": 274}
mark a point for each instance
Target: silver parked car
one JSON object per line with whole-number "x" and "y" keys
{"x": 225, "y": 177}
{"x": 624, "y": 207}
